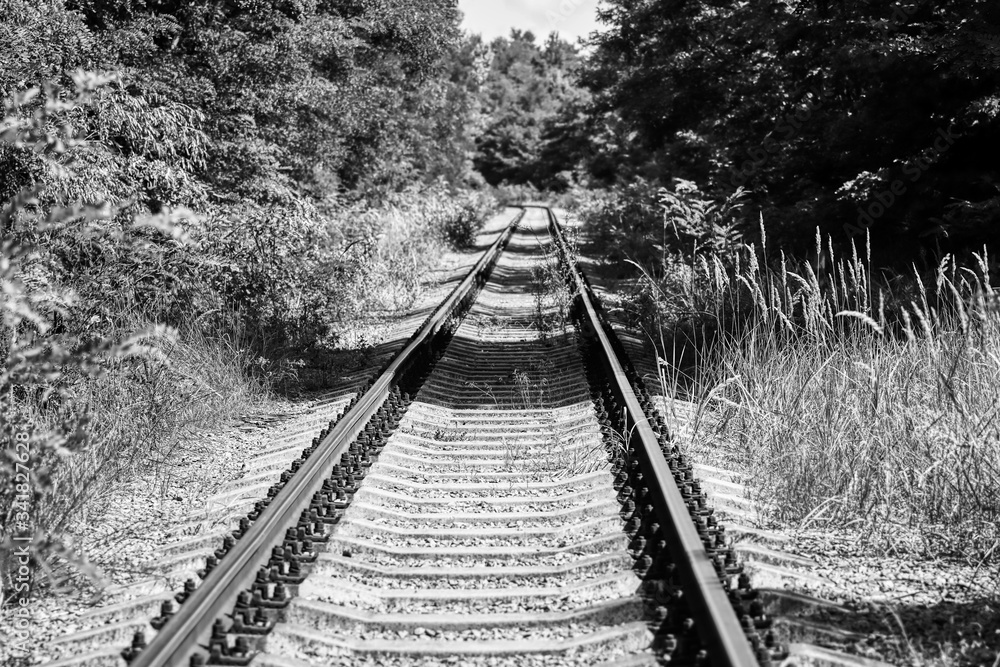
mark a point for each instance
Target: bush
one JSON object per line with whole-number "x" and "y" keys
{"x": 226, "y": 304}
{"x": 846, "y": 397}
{"x": 48, "y": 351}
{"x": 644, "y": 223}
{"x": 461, "y": 228}
{"x": 516, "y": 194}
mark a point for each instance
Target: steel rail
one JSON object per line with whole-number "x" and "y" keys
{"x": 722, "y": 635}
{"x": 215, "y": 597}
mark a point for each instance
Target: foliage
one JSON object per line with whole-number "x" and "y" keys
{"x": 847, "y": 396}
{"x": 850, "y": 406}
{"x": 516, "y": 194}
{"x": 44, "y": 360}
{"x": 322, "y": 146}
{"x": 852, "y": 116}
{"x": 529, "y": 97}
{"x": 395, "y": 245}
{"x": 641, "y": 222}
{"x": 271, "y": 120}
{"x": 461, "y": 228}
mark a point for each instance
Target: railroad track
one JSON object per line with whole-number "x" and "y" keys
{"x": 502, "y": 494}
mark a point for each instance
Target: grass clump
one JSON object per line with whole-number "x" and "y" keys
{"x": 385, "y": 251}
{"x": 552, "y": 299}
{"x": 847, "y": 395}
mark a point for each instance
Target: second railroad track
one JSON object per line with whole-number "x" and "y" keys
{"x": 502, "y": 494}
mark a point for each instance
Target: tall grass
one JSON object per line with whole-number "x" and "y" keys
{"x": 393, "y": 246}
{"x": 140, "y": 411}
{"x": 122, "y": 332}
{"x": 847, "y": 395}
{"x": 850, "y": 410}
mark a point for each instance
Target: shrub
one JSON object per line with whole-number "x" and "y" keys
{"x": 226, "y": 304}
{"x": 846, "y": 395}
{"x": 644, "y": 223}
{"x": 516, "y": 194}
{"x": 92, "y": 392}
{"x": 461, "y": 227}
{"x": 43, "y": 422}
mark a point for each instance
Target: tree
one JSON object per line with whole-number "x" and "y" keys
{"x": 822, "y": 110}
{"x": 530, "y": 97}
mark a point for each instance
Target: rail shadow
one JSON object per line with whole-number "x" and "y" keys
{"x": 967, "y": 632}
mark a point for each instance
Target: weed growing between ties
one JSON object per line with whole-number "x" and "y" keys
{"x": 524, "y": 388}
{"x": 531, "y": 385}
{"x": 552, "y": 299}
{"x": 559, "y": 457}
{"x": 846, "y": 399}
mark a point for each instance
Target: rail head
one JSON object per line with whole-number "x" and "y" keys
{"x": 722, "y": 633}
{"x": 190, "y": 626}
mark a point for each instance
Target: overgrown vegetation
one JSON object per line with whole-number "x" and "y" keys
{"x": 849, "y": 353}
{"x": 641, "y": 222}
{"x": 849, "y": 396}
{"x": 530, "y": 100}
{"x": 850, "y": 116}
{"x": 198, "y": 198}
{"x": 551, "y": 296}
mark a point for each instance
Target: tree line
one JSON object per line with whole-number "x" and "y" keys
{"x": 856, "y": 117}
{"x": 860, "y": 118}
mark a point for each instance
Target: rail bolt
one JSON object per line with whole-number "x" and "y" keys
{"x": 138, "y": 644}
{"x": 625, "y": 493}
{"x": 189, "y": 588}
{"x": 644, "y": 564}
{"x": 166, "y": 611}
{"x": 210, "y": 562}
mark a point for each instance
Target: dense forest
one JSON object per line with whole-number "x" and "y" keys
{"x": 854, "y": 117}
{"x": 200, "y": 197}
{"x": 238, "y": 179}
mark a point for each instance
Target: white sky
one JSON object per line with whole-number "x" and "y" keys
{"x": 495, "y": 18}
